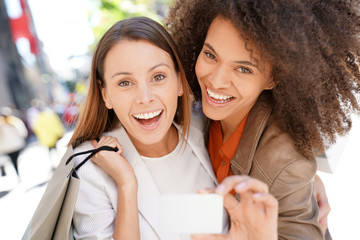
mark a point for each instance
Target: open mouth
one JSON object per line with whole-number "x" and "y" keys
{"x": 148, "y": 119}
{"x": 218, "y": 98}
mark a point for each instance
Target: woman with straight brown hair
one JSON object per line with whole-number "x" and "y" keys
{"x": 139, "y": 98}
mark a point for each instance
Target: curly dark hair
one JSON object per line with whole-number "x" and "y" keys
{"x": 312, "y": 45}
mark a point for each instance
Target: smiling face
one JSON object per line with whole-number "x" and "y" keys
{"x": 229, "y": 77}
{"x": 142, "y": 87}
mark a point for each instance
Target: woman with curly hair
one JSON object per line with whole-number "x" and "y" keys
{"x": 279, "y": 80}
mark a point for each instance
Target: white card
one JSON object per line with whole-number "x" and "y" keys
{"x": 191, "y": 213}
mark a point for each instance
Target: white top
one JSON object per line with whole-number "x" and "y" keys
{"x": 95, "y": 209}
{"x": 178, "y": 172}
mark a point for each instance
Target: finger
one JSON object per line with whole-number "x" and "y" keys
{"x": 206, "y": 190}
{"x": 324, "y": 209}
{"x": 230, "y": 202}
{"x": 207, "y": 237}
{"x": 323, "y": 224}
{"x": 270, "y": 202}
{"x": 253, "y": 185}
{"x": 102, "y": 141}
{"x": 267, "y": 199}
{"x": 120, "y": 149}
{"x": 230, "y": 182}
{"x": 109, "y": 141}
{"x": 94, "y": 143}
{"x": 241, "y": 184}
{"x": 246, "y": 198}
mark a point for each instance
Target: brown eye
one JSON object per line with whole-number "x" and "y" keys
{"x": 159, "y": 77}
{"x": 244, "y": 70}
{"x": 209, "y": 55}
{"x": 124, "y": 83}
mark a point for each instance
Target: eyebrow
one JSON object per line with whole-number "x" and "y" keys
{"x": 151, "y": 69}
{"x": 239, "y": 62}
{"x": 158, "y": 65}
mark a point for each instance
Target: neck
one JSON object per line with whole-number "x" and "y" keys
{"x": 229, "y": 126}
{"x": 162, "y": 148}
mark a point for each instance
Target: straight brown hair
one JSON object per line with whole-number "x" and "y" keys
{"x": 94, "y": 117}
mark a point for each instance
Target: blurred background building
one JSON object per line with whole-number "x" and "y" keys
{"x": 16, "y": 27}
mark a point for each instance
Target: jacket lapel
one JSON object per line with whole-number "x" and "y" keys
{"x": 196, "y": 142}
{"x": 255, "y": 124}
{"x": 148, "y": 193}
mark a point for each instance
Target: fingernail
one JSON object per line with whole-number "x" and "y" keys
{"x": 202, "y": 191}
{"x": 240, "y": 186}
{"x": 258, "y": 195}
{"x": 220, "y": 188}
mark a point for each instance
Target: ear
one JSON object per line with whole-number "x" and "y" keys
{"x": 104, "y": 96}
{"x": 271, "y": 84}
{"x": 180, "y": 86}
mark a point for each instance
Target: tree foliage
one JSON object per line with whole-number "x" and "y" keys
{"x": 106, "y": 12}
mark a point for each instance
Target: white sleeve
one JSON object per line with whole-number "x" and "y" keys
{"x": 94, "y": 215}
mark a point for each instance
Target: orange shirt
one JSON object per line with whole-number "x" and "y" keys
{"x": 221, "y": 154}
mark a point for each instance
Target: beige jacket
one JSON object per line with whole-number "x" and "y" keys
{"x": 267, "y": 153}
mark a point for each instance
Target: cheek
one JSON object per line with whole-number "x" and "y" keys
{"x": 121, "y": 111}
{"x": 170, "y": 97}
{"x": 120, "y": 102}
{"x": 199, "y": 68}
{"x": 249, "y": 89}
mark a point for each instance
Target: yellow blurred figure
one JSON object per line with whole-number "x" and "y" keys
{"x": 48, "y": 128}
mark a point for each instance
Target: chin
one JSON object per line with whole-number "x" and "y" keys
{"x": 212, "y": 114}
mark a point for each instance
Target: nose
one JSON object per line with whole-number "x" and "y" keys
{"x": 144, "y": 94}
{"x": 220, "y": 77}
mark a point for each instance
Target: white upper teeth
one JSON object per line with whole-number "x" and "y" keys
{"x": 217, "y": 96}
{"x": 147, "y": 115}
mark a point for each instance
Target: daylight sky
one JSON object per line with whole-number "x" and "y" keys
{"x": 62, "y": 27}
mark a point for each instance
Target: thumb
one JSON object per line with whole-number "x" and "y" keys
{"x": 230, "y": 202}
{"x": 207, "y": 237}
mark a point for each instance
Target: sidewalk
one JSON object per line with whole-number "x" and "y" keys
{"x": 18, "y": 200}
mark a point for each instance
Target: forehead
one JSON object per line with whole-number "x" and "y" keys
{"x": 223, "y": 28}
{"x": 229, "y": 43}
{"x": 222, "y": 32}
{"x": 132, "y": 53}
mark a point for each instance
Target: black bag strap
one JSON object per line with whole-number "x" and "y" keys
{"x": 91, "y": 154}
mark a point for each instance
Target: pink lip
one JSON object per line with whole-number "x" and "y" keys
{"x": 152, "y": 126}
{"x": 215, "y": 104}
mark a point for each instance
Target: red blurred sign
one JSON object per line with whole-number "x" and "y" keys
{"x": 20, "y": 27}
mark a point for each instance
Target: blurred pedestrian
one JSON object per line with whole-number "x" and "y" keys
{"x": 32, "y": 112}
{"x": 48, "y": 128}
{"x": 13, "y": 135}
{"x": 71, "y": 113}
